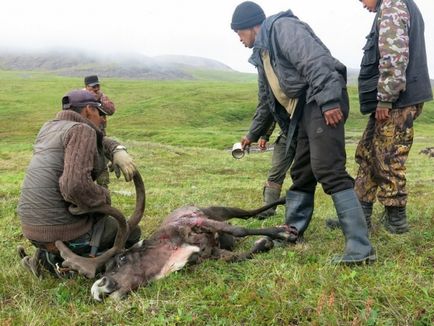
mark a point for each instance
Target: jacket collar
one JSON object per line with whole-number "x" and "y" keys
{"x": 262, "y": 41}
{"x": 70, "y": 115}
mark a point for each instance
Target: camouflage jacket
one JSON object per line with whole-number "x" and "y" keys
{"x": 394, "y": 69}
{"x": 393, "y": 23}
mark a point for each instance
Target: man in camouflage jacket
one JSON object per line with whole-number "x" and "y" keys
{"x": 393, "y": 85}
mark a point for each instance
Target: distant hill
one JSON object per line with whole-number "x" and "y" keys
{"x": 132, "y": 66}
{"x": 183, "y": 61}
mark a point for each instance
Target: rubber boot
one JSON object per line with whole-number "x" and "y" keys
{"x": 271, "y": 194}
{"x": 367, "y": 212}
{"x": 395, "y": 219}
{"x": 358, "y": 249}
{"x": 299, "y": 210}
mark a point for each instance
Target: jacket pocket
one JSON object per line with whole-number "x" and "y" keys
{"x": 368, "y": 94}
{"x": 370, "y": 50}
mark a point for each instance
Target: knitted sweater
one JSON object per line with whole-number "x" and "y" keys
{"x": 66, "y": 160}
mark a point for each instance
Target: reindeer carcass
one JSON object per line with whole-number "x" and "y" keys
{"x": 188, "y": 235}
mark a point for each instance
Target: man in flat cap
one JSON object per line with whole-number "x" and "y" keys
{"x": 59, "y": 189}
{"x": 93, "y": 85}
{"x": 303, "y": 88}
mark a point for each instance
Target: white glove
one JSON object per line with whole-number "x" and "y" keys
{"x": 123, "y": 161}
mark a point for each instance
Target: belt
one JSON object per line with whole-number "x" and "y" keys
{"x": 291, "y": 135}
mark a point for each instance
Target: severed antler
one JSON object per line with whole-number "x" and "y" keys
{"x": 140, "y": 201}
{"x": 89, "y": 266}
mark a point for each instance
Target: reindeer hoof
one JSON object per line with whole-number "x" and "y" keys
{"x": 263, "y": 245}
{"x": 290, "y": 234}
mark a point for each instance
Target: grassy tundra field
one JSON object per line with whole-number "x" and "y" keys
{"x": 179, "y": 133}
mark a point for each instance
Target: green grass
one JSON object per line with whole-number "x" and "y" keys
{"x": 178, "y": 134}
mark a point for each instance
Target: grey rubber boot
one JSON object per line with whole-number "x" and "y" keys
{"x": 367, "y": 212}
{"x": 299, "y": 210}
{"x": 395, "y": 220}
{"x": 271, "y": 195}
{"x": 358, "y": 249}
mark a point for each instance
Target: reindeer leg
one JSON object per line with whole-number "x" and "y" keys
{"x": 220, "y": 213}
{"x": 284, "y": 232}
{"x": 262, "y": 245}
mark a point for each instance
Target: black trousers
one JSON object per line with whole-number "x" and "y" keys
{"x": 320, "y": 155}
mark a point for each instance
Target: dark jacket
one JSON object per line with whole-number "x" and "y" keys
{"x": 417, "y": 88}
{"x": 304, "y": 68}
{"x": 66, "y": 159}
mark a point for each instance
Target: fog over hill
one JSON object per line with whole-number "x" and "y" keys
{"x": 130, "y": 66}
{"x": 133, "y": 66}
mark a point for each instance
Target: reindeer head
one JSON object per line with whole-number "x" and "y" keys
{"x": 142, "y": 264}
{"x": 119, "y": 277}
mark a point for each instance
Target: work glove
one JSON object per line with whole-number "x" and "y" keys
{"x": 122, "y": 161}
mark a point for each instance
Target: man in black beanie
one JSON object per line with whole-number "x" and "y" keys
{"x": 303, "y": 88}
{"x": 246, "y": 15}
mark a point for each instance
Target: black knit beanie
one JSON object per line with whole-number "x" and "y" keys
{"x": 246, "y": 15}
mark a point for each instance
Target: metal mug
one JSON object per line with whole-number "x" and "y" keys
{"x": 237, "y": 151}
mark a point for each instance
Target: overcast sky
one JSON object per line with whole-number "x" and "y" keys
{"x": 185, "y": 27}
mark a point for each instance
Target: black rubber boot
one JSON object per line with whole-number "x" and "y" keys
{"x": 271, "y": 195}
{"x": 299, "y": 210}
{"x": 395, "y": 220}
{"x": 358, "y": 249}
{"x": 367, "y": 212}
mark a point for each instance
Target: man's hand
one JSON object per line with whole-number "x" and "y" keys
{"x": 98, "y": 95}
{"x": 123, "y": 161}
{"x": 333, "y": 117}
{"x": 95, "y": 91}
{"x": 245, "y": 142}
{"x": 262, "y": 144}
{"x": 382, "y": 114}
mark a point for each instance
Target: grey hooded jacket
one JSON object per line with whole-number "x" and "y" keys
{"x": 303, "y": 65}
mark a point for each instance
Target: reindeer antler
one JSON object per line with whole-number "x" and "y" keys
{"x": 140, "y": 201}
{"x": 89, "y": 266}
